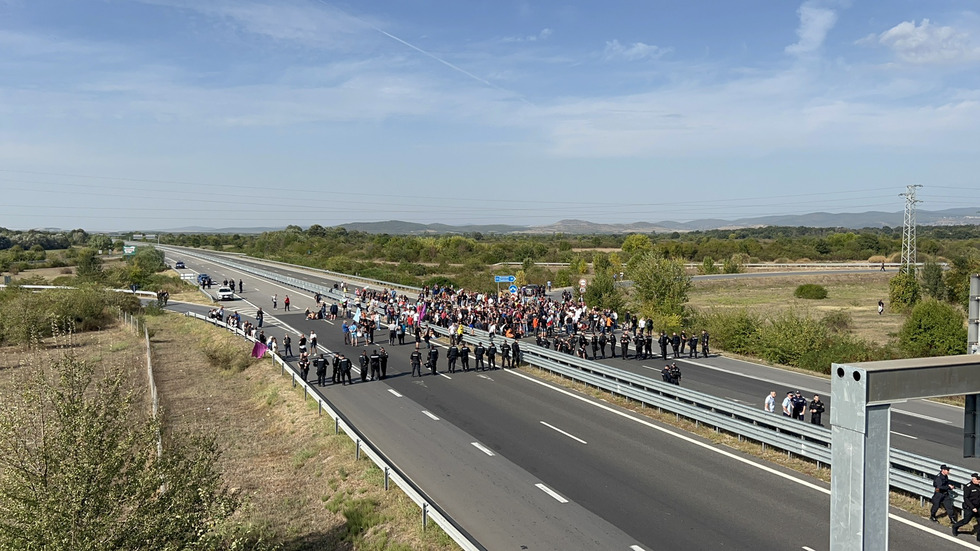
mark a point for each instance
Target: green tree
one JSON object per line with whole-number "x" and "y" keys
{"x": 88, "y": 265}
{"x": 707, "y": 266}
{"x": 637, "y": 243}
{"x": 80, "y": 469}
{"x": 148, "y": 260}
{"x": 603, "y": 293}
{"x": 660, "y": 284}
{"x": 932, "y": 280}
{"x": 101, "y": 242}
{"x": 933, "y": 328}
{"x": 903, "y": 291}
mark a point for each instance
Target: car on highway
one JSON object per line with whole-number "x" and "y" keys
{"x": 225, "y": 293}
{"x": 203, "y": 278}
{"x": 179, "y": 265}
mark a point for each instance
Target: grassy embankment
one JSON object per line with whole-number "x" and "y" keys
{"x": 301, "y": 484}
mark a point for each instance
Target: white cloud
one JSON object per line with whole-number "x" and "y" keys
{"x": 927, "y": 43}
{"x": 815, "y": 23}
{"x": 542, "y": 35}
{"x": 635, "y": 51}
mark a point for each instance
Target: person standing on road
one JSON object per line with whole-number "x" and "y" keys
{"x": 415, "y": 358}
{"x": 304, "y": 366}
{"x": 275, "y": 298}
{"x": 302, "y": 344}
{"x": 346, "y": 330}
{"x": 433, "y": 359}
{"x": 788, "y": 404}
{"x": 241, "y": 287}
{"x": 384, "y": 362}
{"x": 336, "y": 374}
{"x": 692, "y": 345}
{"x": 364, "y": 362}
{"x": 321, "y": 371}
{"x": 799, "y": 406}
{"x": 345, "y": 368}
{"x": 816, "y": 410}
{"x": 479, "y": 351}
{"x": 663, "y": 341}
{"x": 287, "y": 346}
{"x": 941, "y": 495}
{"x": 704, "y": 343}
{"x": 313, "y": 347}
{"x": 259, "y": 316}
{"x": 492, "y": 356}
{"x": 771, "y": 402}
{"x": 285, "y": 302}
{"x": 451, "y": 356}
{"x": 464, "y": 357}
{"x": 971, "y": 505}
{"x": 516, "y": 355}
{"x": 675, "y": 344}
{"x": 375, "y": 365}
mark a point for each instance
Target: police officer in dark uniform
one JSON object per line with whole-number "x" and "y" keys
{"x": 625, "y": 342}
{"x": 345, "y": 367}
{"x": 433, "y": 359}
{"x": 479, "y": 351}
{"x": 675, "y": 344}
{"x": 648, "y": 344}
{"x": 364, "y": 362}
{"x": 451, "y": 356}
{"x": 692, "y": 345}
{"x": 416, "y": 360}
{"x": 321, "y": 371}
{"x": 941, "y": 495}
{"x": 464, "y": 357}
{"x": 505, "y": 360}
{"x": 516, "y": 355}
{"x": 675, "y": 374}
{"x": 375, "y": 365}
{"x": 337, "y": 373}
{"x": 971, "y": 505}
{"x": 492, "y": 356}
{"x": 816, "y": 409}
{"x": 662, "y": 341}
{"x": 384, "y": 362}
{"x": 595, "y": 346}
{"x": 602, "y": 345}
{"x": 666, "y": 375}
{"x": 704, "y": 343}
{"x": 304, "y": 366}
{"x": 612, "y": 344}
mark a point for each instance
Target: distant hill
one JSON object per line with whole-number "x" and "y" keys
{"x": 850, "y": 220}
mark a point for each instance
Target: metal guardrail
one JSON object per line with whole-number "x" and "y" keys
{"x": 362, "y": 443}
{"x": 908, "y": 472}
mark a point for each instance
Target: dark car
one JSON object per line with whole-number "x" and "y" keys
{"x": 179, "y": 265}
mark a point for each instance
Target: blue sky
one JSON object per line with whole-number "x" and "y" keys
{"x": 159, "y": 114}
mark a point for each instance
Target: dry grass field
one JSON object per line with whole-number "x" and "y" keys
{"x": 855, "y": 294}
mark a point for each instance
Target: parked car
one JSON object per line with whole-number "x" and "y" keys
{"x": 179, "y": 265}
{"x": 225, "y": 293}
{"x": 203, "y": 279}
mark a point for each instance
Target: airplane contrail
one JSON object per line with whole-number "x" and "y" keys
{"x": 429, "y": 54}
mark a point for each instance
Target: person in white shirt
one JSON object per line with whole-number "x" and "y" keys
{"x": 788, "y": 404}
{"x": 771, "y": 402}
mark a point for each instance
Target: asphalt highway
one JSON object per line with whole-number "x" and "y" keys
{"x": 608, "y": 479}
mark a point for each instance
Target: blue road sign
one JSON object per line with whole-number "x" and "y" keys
{"x": 504, "y": 279}
{"x": 512, "y": 289}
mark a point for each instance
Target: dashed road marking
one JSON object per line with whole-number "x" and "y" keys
{"x": 551, "y": 493}
{"x": 482, "y": 448}
{"x": 556, "y": 429}
{"x": 393, "y": 391}
{"x": 430, "y": 415}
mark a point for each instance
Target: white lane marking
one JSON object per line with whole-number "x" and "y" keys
{"x": 482, "y": 448}
{"x": 805, "y": 548}
{"x": 944, "y": 534}
{"x": 551, "y": 493}
{"x": 482, "y": 376}
{"x": 905, "y": 435}
{"x": 556, "y": 429}
{"x": 391, "y": 390}
{"x": 446, "y": 376}
{"x": 920, "y": 416}
{"x": 637, "y": 548}
{"x": 430, "y": 415}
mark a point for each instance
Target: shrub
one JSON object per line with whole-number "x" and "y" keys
{"x": 788, "y": 336}
{"x": 933, "y": 329}
{"x": 838, "y": 321}
{"x": 810, "y": 291}
{"x": 903, "y": 291}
